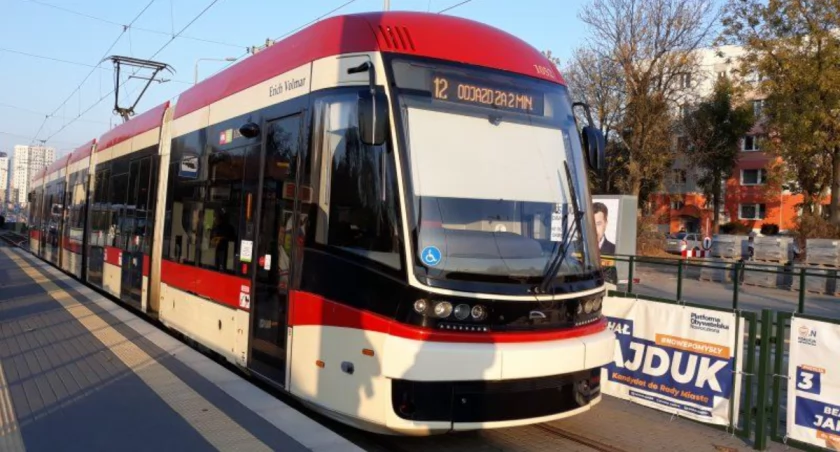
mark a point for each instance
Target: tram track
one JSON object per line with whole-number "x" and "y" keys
{"x": 576, "y": 438}
{"x": 531, "y": 438}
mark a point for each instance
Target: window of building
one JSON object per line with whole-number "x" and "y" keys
{"x": 758, "y": 107}
{"x": 752, "y": 211}
{"x": 753, "y": 176}
{"x": 678, "y": 176}
{"x": 363, "y": 210}
{"x": 677, "y": 205}
{"x": 682, "y": 143}
{"x": 750, "y": 143}
{"x": 685, "y": 80}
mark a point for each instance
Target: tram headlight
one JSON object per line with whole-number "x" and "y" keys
{"x": 478, "y": 312}
{"x": 597, "y": 305}
{"x": 462, "y": 311}
{"x": 420, "y": 306}
{"x": 588, "y": 305}
{"x": 443, "y": 309}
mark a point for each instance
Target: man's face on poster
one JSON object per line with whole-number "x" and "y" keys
{"x": 600, "y": 225}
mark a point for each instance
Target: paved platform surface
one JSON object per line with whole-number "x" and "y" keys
{"x": 80, "y": 373}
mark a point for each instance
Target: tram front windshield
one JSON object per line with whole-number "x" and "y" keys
{"x": 490, "y": 157}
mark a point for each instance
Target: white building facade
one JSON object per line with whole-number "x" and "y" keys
{"x": 27, "y": 161}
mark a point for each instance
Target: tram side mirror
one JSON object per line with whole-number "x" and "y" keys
{"x": 249, "y": 130}
{"x": 593, "y": 146}
{"x": 373, "y": 117}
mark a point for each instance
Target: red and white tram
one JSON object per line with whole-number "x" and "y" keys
{"x": 385, "y": 214}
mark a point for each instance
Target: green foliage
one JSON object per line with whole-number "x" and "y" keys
{"x": 734, "y": 227}
{"x": 794, "y": 47}
{"x": 636, "y": 53}
{"x": 712, "y": 131}
{"x": 769, "y": 229}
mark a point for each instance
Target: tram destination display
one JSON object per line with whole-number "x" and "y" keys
{"x": 461, "y": 90}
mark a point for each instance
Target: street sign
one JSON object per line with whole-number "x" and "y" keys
{"x": 707, "y": 243}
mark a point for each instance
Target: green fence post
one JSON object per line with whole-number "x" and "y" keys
{"x": 679, "y": 279}
{"x": 739, "y": 270}
{"x": 763, "y": 364}
{"x": 775, "y": 401}
{"x": 630, "y": 275}
{"x": 802, "y": 290}
{"x": 750, "y": 372}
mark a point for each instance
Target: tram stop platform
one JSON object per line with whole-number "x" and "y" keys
{"x": 80, "y": 373}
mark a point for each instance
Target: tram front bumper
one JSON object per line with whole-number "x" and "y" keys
{"x": 438, "y": 386}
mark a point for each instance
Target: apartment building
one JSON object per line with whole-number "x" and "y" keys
{"x": 747, "y": 199}
{"x": 4, "y": 179}
{"x": 27, "y": 161}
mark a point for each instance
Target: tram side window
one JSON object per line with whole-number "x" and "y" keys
{"x": 145, "y": 215}
{"x": 100, "y": 219}
{"x": 119, "y": 186}
{"x": 185, "y": 206}
{"x": 363, "y": 212}
{"x": 35, "y": 209}
{"x": 221, "y": 211}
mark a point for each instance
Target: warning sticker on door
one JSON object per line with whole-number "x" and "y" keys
{"x": 244, "y": 301}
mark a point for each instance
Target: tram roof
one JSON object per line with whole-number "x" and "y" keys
{"x": 143, "y": 122}
{"x": 82, "y": 151}
{"x": 410, "y": 33}
{"x": 58, "y": 165}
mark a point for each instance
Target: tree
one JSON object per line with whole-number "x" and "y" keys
{"x": 793, "y": 47}
{"x": 597, "y": 80}
{"x": 653, "y": 44}
{"x": 712, "y": 131}
{"x": 550, "y": 57}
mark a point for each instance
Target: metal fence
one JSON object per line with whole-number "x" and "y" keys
{"x": 755, "y": 285}
{"x": 766, "y": 295}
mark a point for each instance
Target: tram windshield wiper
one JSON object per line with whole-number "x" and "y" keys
{"x": 557, "y": 261}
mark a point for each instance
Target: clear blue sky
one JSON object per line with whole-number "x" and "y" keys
{"x": 32, "y": 87}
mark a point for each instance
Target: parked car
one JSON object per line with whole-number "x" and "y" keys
{"x": 683, "y": 240}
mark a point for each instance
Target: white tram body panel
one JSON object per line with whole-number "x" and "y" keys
{"x": 357, "y": 364}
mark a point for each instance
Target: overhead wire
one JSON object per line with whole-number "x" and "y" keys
{"x": 146, "y": 30}
{"x": 76, "y": 63}
{"x": 119, "y": 84}
{"x": 27, "y": 136}
{"x": 44, "y": 57}
{"x": 39, "y": 113}
{"x": 79, "y": 87}
{"x": 177, "y": 35}
{"x": 343, "y": 5}
{"x": 454, "y": 6}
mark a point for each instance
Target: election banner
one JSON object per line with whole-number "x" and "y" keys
{"x": 674, "y": 358}
{"x": 813, "y": 406}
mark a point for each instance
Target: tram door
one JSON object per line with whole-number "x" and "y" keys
{"x": 272, "y": 252}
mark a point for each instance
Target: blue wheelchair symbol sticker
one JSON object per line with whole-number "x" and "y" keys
{"x": 430, "y": 256}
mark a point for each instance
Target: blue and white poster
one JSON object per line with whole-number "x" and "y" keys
{"x": 674, "y": 358}
{"x": 813, "y": 408}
